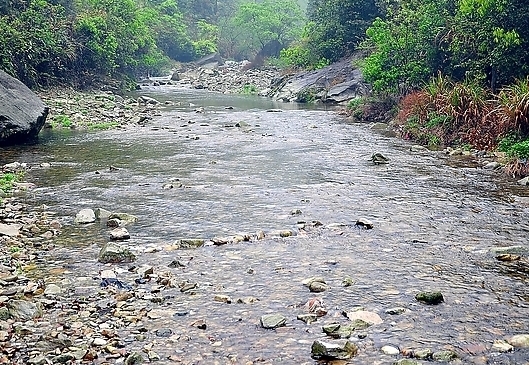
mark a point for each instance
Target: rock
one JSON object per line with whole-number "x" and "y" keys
{"x": 144, "y": 271}
{"x": 222, "y": 298}
{"x": 308, "y": 318}
{"x": 494, "y": 165}
{"x": 114, "y": 253}
{"x": 119, "y": 233}
{"x": 520, "y": 340}
{"x": 407, "y": 362}
{"x": 113, "y": 223}
{"x": 286, "y": 233}
{"x": 423, "y": 354}
{"x": 102, "y": 213}
{"x": 271, "y": 321}
{"x": 502, "y": 346}
{"x": 164, "y": 332}
{"x": 508, "y": 257}
{"x": 22, "y": 113}
{"x": 147, "y": 100}
{"x": 390, "y": 350}
{"x": 247, "y": 300}
{"x": 99, "y": 342}
{"x": 153, "y": 356}
{"x": 364, "y": 223}
{"x": 85, "y": 216}
{"x": 124, "y": 218}
{"x": 313, "y": 279}
{"x": 24, "y": 310}
{"x": 337, "y": 330}
{"x": 510, "y": 250}
{"x": 175, "y": 76}
{"x": 430, "y": 297}
{"x": 347, "y": 281}
{"x": 134, "y": 359}
{"x": 200, "y": 324}
{"x": 395, "y": 311}
{"x": 444, "y": 356}
{"x": 318, "y": 287}
{"x": 11, "y": 230}
{"x": 418, "y": 148}
{"x": 524, "y": 181}
{"x": 336, "y": 350}
{"x": 378, "y": 159}
{"x": 296, "y": 212}
{"x": 369, "y": 317}
{"x": 52, "y": 290}
{"x": 190, "y": 243}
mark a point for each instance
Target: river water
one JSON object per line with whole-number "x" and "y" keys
{"x": 435, "y": 221}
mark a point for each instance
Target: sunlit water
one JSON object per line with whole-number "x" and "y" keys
{"x": 434, "y": 225}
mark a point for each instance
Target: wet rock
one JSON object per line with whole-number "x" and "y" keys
{"x": 101, "y": 213}
{"x": 85, "y": 216}
{"x": 153, "y": 356}
{"x": 11, "y": 230}
{"x": 395, "y": 311}
{"x": 24, "y": 310}
{"x": 390, "y": 350}
{"x": 502, "y": 346}
{"x": 378, "y": 158}
{"x": 185, "y": 287}
{"x": 52, "y": 290}
{"x": 286, "y": 233}
{"x": 318, "y": 287}
{"x": 260, "y": 235}
{"x": 347, "y": 281}
{"x": 369, "y": 317}
{"x": 364, "y": 223}
{"x": 200, "y": 324}
{"x": 316, "y": 306}
{"x": 190, "y": 243}
{"x": 418, "y": 148}
{"x": 494, "y": 165}
{"x": 125, "y": 218}
{"x": 134, "y": 359}
{"x": 423, "y": 354}
{"x": 308, "y": 318}
{"x": 271, "y": 321}
{"x": 113, "y": 223}
{"x": 147, "y": 100}
{"x": 444, "y": 356}
{"x": 247, "y": 300}
{"x": 296, "y": 212}
{"x": 164, "y": 332}
{"x": 114, "y": 253}
{"x": 38, "y": 360}
{"x": 336, "y": 350}
{"x": 337, "y": 330}
{"x": 222, "y": 298}
{"x": 428, "y": 297}
{"x": 176, "y": 264}
{"x": 120, "y": 233}
{"x": 520, "y": 340}
{"x": 407, "y": 362}
{"x": 510, "y": 250}
{"x": 144, "y": 271}
{"x": 508, "y": 257}
{"x": 524, "y": 181}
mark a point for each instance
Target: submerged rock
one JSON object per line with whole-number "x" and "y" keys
{"x": 427, "y": 297}
{"x": 85, "y": 216}
{"x": 335, "y": 350}
{"x": 271, "y": 321}
{"x": 119, "y": 234}
{"x": 520, "y": 340}
{"x": 114, "y": 253}
{"x": 124, "y": 218}
{"x": 24, "y": 310}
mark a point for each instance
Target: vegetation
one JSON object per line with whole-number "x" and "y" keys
{"x": 8, "y": 181}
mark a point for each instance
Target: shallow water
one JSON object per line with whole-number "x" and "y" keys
{"x": 435, "y": 220}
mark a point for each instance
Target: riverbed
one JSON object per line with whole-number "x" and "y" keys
{"x": 213, "y": 165}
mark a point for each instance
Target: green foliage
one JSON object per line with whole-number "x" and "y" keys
{"x": 207, "y": 39}
{"x": 249, "y": 89}
{"x": 62, "y": 121}
{"x": 8, "y": 181}
{"x": 300, "y": 56}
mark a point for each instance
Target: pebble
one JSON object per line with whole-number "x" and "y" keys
{"x": 390, "y": 350}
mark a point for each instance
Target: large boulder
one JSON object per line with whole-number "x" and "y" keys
{"x": 22, "y": 113}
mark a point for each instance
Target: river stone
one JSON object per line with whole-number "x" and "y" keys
{"x": 119, "y": 233}
{"x": 52, "y": 290}
{"x": 365, "y": 223}
{"x": 134, "y": 359}
{"x": 336, "y": 330}
{"x": 407, "y": 362}
{"x": 11, "y": 230}
{"x": 510, "y": 250}
{"x": 190, "y": 243}
{"x": 286, "y": 233}
{"x": 427, "y": 297}
{"x": 309, "y": 281}
{"x": 444, "y": 356}
{"x": 395, "y": 311}
{"x": 318, "y": 287}
{"x": 24, "y": 310}
{"x": 102, "y": 213}
{"x": 335, "y": 350}
{"x": 369, "y": 317}
{"x": 423, "y": 354}
{"x": 308, "y": 318}
{"x": 125, "y": 218}
{"x": 85, "y": 216}
{"x": 63, "y": 358}
{"x": 22, "y": 112}
{"x": 520, "y": 340}
{"x": 114, "y": 253}
{"x": 378, "y": 159}
{"x": 4, "y": 314}
{"x": 390, "y": 350}
{"x": 222, "y": 298}
{"x": 271, "y": 321}
{"x": 524, "y": 181}
{"x": 502, "y": 346}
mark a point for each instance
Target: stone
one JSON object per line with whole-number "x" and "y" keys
{"x": 378, "y": 159}
{"x": 407, "y": 362}
{"x": 369, "y": 317}
{"x": 428, "y": 297}
{"x": 521, "y": 340}
{"x": 114, "y": 253}
{"x": 272, "y": 321}
{"x": 347, "y": 281}
{"x": 190, "y": 243}
{"x": 125, "y": 218}
{"x": 318, "y": 287}
{"x": 222, "y": 298}
{"x": 102, "y": 213}
{"x": 11, "y": 230}
{"x": 296, "y": 212}
{"x": 364, "y": 223}
{"x": 134, "y": 359}
{"x": 286, "y": 233}
{"x": 22, "y": 112}
{"x": 52, "y": 290}
{"x": 24, "y": 310}
{"x": 113, "y": 223}
{"x": 390, "y": 350}
{"x": 119, "y": 233}
{"x": 524, "y": 181}
{"x": 395, "y": 311}
{"x": 337, "y": 330}
{"x": 85, "y": 216}
{"x": 247, "y": 300}
{"x": 502, "y": 346}
{"x": 164, "y": 332}
{"x": 494, "y": 165}
{"x": 335, "y": 350}
{"x": 99, "y": 342}
{"x": 144, "y": 271}
{"x": 308, "y": 318}
{"x": 423, "y": 354}
{"x": 444, "y": 356}
{"x": 510, "y": 250}
{"x": 418, "y": 148}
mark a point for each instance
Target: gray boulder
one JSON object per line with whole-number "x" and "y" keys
{"x": 22, "y": 113}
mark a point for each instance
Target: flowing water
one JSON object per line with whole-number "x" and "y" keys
{"x": 435, "y": 221}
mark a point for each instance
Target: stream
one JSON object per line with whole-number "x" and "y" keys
{"x": 262, "y": 165}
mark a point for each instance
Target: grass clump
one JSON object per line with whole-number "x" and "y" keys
{"x": 8, "y": 181}
{"x": 249, "y": 89}
{"x": 62, "y": 121}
